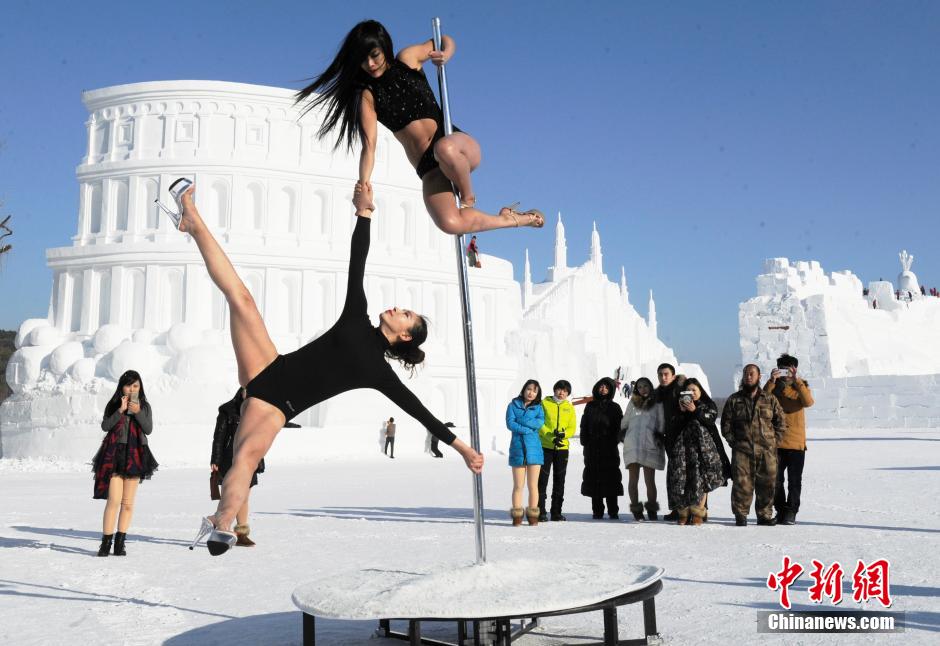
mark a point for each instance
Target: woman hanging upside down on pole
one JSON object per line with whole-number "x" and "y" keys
{"x": 351, "y": 354}
{"x": 366, "y": 84}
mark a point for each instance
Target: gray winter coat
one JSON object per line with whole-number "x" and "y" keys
{"x": 640, "y": 445}
{"x": 144, "y": 418}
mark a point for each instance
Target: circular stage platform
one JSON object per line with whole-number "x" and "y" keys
{"x": 497, "y": 592}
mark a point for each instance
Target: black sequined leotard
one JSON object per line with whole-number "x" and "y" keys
{"x": 403, "y": 95}
{"x": 349, "y": 355}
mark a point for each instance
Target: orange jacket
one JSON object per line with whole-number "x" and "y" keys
{"x": 793, "y": 398}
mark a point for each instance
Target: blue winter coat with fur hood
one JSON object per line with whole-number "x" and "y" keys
{"x": 525, "y": 448}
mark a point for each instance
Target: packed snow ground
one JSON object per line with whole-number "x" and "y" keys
{"x": 867, "y": 495}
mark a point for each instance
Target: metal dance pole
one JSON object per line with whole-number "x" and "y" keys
{"x": 467, "y": 322}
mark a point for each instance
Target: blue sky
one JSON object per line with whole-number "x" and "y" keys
{"x": 701, "y": 137}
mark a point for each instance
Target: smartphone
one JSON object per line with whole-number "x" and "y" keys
{"x": 135, "y": 398}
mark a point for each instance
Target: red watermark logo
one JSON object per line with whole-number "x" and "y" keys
{"x": 869, "y": 582}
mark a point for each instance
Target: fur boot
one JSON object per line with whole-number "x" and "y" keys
{"x": 516, "y": 513}
{"x": 682, "y": 516}
{"x": 637, "y": 510}
{"x": 651, "y": 510}
{"x": 532, "y": 515}
{"x": 698, "y": 514}
{"x": 242, "y": 531}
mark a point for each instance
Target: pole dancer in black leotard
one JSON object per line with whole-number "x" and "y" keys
{"x": 366, "y": 84}
{"x": 352, "y": 354}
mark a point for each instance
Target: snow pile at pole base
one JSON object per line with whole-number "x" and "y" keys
{"x": 872, "y": 359}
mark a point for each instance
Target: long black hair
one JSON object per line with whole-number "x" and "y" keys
{"x": 126, "y": 379}
{"x": 409, "y": 353}
{"x": 340, "y": 86}
{"x": 704, "y": 398}
{"x": 538, "y": 394}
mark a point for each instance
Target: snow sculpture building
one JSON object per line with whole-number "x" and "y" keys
{"x": 131, "y": 292}
{"x": 580, "y": 326}
{"x": 872, "y": 359}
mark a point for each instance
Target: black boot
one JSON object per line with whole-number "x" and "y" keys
{"x": 651, "y": 509}
{"x": 766, "y": 521}
{"x": 637, "y": 510}
{"x": 105, "y": 544}
{"x": 740, "y": 521}
{"x": 119, "y": 539}
{"x": 672, "y": 515}
{"x": 787, "y": 517}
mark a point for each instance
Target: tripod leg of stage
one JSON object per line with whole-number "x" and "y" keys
{"x": 464, "y": 283}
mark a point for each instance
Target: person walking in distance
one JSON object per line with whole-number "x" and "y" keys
{"x": 560, "y": 426}
{"x": 794, "y": 396}
{"x": 390, "y": 437}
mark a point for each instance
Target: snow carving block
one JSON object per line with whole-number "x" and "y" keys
{"x": 868, "y": 353}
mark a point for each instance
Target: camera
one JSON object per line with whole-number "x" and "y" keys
{"x": 135, "y": 398}
{"x": 685, "y": 397}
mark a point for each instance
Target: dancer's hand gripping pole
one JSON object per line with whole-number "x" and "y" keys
{"x": 467, "y": 321}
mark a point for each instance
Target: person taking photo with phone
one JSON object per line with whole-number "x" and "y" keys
{"x": 697, "y": 460}
{"x": 794, "y": 395}
{"x": 123, "y": 460}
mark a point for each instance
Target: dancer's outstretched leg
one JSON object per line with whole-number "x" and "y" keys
{"x": 439, "y": 201}
{"x": 254, "y": 349}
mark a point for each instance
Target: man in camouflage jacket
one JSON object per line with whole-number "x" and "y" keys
{"x": 752, "y": 423}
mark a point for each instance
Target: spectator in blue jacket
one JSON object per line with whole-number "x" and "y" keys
{"x": 524, "y": 418}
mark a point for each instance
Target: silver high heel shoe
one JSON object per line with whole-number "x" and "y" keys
{"x": 219, "y": 541}
{"x": 176, "y": 191}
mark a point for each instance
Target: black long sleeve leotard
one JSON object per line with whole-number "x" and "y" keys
{"x": 349, "y": 355}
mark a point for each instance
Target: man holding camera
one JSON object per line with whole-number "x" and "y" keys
{"x": 559, "y": 427}
{"x": 753, "y": 423}
{"x": 794, "y": 395}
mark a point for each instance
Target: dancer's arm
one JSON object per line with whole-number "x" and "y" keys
{"x": 369, "y": 121}
{"x": 358, "y": 251}
{"x": 417, "y": 55}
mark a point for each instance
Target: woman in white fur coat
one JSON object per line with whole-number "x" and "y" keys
{"x": 642, "y": 431}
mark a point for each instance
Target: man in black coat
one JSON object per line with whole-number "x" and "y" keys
{"x": 667, "y": 394}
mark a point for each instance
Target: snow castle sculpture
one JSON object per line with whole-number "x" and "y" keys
{"x": 130, "y": 292}
{"x": 871, "y": 358}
